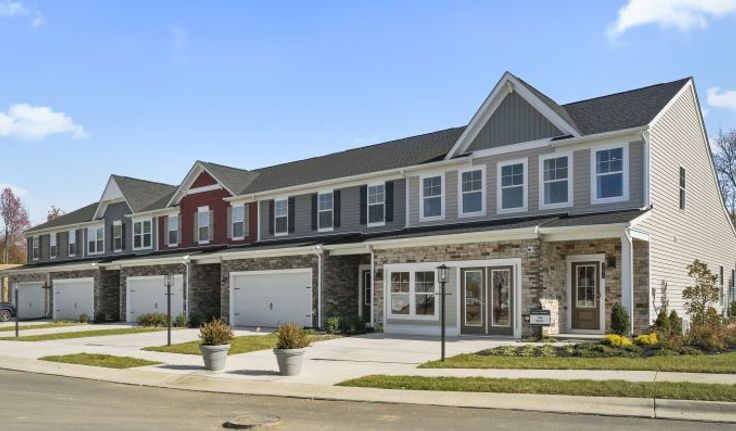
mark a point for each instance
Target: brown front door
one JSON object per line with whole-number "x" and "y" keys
{"x": 472, "y": 300}
{"x": 501, "y": 301}
{"x": 366, "y": 294}
{"x": 585, "y": 294}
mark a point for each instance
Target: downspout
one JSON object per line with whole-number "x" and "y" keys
{"x": 647, "y": 170}
{"x": 373, "y": 283}
{"x": 320, "y": 261}
{"x": 186, "y": 263}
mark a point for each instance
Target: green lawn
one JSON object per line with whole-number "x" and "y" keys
{"x": 83, "y": 334}
{"x": 96, "y": 360}
{"x": 242, "y": 344}
{"x": 724, "y": 363}
{"x": 24, "y": 327}
{"x": 589, "y": 388}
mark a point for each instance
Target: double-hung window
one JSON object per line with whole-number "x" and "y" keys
{"x": 72, "y": 243}
{"x": 172, "y": 230}
{"x": 412, "y": 294}
{"x": 142, "y": 236}
{"x": 682, "y": 188}
{"x": 555, "y": 181}
{"x": 512, "y": 186}
{"x": 36, "y": 247}
{"x": 432, "y": 195}
{"x": 53, "y": 249}
{"x": 95, "y": 240}
{"x": 325, "y": 211}
{"x": 472, "y": 192}
{"x": 117, "y": 235}
{"x": 203, "y": 225}
{"x": 377, "y": 205}
{"x": 238, "y": 220}
{"x": 281, "y": 217}
{"x": 610, "y": 183}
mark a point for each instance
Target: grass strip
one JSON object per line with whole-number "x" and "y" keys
{"x": 589, "y": 388}
{"x": 83, "y": 334}
{"x": 99, "y": 360}
{"x": 242, "y": 344}
{"x": 40, "y": 326}
{"x": 724, "y": 363}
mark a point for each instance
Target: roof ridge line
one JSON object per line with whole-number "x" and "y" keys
{"x": 626, "y": 91}
{"x": 142, "y": 180}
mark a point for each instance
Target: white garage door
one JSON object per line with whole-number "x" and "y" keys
{"x": 73, "y": 297}
{"x": 147, "y": 294}
{"x": 32, "y": 299}
{"x": 271, "y": 298}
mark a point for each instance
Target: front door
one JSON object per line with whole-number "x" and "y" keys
{"x": 585, "y": 294}
{"x": 366, "y": 294}
{"x": 472, "y": 300}
{"x": 501, "y": 301}
{"x": 487, "y": 300}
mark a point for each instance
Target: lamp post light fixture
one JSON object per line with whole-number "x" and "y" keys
{"x": 442, "y": 275}
{"x": 168, "y": 281}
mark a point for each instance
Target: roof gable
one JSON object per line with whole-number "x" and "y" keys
{"x": 206, "y": 174}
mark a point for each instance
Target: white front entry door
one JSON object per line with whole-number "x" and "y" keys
{"x": 147, "y": 294}
{"x": 73, "y": 297}
{"x": 271, "y": 298}
{"x": 32, "y": 300}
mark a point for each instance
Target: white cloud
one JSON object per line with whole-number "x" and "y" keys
{"x": 179, "y": 37}
{"x": 38, "y": 20}
{"x": 721, "y": 99}
{"x": 27, "y": 122}
{"x": 681, "y": 14}
{"x": 19, "y": 191}
{"x": 12, "y": 8}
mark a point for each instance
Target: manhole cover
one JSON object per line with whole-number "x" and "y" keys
{"x": 249, "y": 421}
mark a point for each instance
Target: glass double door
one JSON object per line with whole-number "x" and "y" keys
{"x": 487, "y": 300}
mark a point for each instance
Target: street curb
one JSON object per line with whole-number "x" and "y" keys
{"x": 605, "y": 406}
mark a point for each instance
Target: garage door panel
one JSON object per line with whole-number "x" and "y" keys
{"x": 73, "y": 297}
{"x": 32, "y": 300}
{"x": 271, "y": 299}
{"x": 148, "y": 295}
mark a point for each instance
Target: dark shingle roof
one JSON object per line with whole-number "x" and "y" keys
{"x": 234, "y": 179}
{"x": 549, "y": 102}
{"x": 612, "y": 217}
{"x": 143, "y": 195}
{"x": 81, "y": 215}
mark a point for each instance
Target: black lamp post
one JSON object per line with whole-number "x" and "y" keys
{"x": 17, "y": 309}
{"x": 168, "y": 281}
{"x": 442, "y": 274}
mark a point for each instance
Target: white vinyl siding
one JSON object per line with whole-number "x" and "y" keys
{"x": 513, "y": 185}
{"x": 281, "y": 217}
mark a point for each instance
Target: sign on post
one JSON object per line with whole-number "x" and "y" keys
{"x": 540, "y": 317}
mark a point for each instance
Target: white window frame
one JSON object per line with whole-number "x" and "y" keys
{"x": 275, "y": 216}
{"x": 143, "y": 233}
{"x": 36, "y": 247}
{"x": 53, "y": 244}
{"x": 203, "y": 210}
{"x": 115, "y": 224}
{"x": 168, "y": 230}
{"x": 233, "y": 221}
{"x": 98, "y": 250}
{"x": 368, "y": 205}
{"x": 525, "y": 187}
{"x": 72, "y": 241}
{"x": 462, "y": 212}
{"x": 443, "y": 180}
{"x": 331, "y": 210}
{"x": 542, "y": 182}
{"x": 594, "y": 176}
{"x": 412, "y": 294}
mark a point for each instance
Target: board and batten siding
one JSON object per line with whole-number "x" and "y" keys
{"x": 581, "y": 186}
{"x": 702, "y": 231}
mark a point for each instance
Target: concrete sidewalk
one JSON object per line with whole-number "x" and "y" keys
{"x": 637, "y": 407}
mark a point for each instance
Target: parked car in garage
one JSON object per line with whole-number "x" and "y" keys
{"x": 7, "y": 311}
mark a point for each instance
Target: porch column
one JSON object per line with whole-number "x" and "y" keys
{"x": 627, "y": 276}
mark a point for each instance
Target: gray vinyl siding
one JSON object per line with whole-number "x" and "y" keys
{"x": 349, "y": 214}
{"x": 514, "y": 121}
{"x": 702, "y": 231}
{"x": 581, "y": 191}
{"x": 115, "y": 212}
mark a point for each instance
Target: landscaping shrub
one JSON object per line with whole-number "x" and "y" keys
{"x": 100, "y": 317}
{"x": 732, "y": 309}
{"x": 194, "y": 321}
{"x": 84, "y": 318}
{"x": 345, "y": 326}
{"x": 153, "y": 319}
{"x": 646, "y": 339}
{"x": 675, "y": 323}
{"x": 292, "y": 336}
{"x": 707, "y": 336}
{"x": 215, "y": 333}
{"x": 332, "y": 325}
{"x": 620, "y": 323}
{"x": 699, "y": 296}
{"x": 615, "y": 340}
{"x": 180, "y": 321}
{"x": 662, "y": 324}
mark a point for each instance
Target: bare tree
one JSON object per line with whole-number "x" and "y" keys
{"x": 724, "y": 158}
{"x": 14, "y": 218}
{"x": 54, "y": 213}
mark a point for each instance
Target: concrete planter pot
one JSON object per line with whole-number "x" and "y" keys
{"x": 215, "y": 357}
{"x": 290, "y": 361}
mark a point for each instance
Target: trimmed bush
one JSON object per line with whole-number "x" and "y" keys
{"x": 332, "y": 325}
{"x": 620, "y": 323}
{"x": 615, "y": 340}
{"x": 709, "y": 337}
{"x": 675, "y": 323}
{"x": 180, "y": 321}
{"x": 84, "y": 318}
{"x": 292, "y": 336}
{"x": 662, "y": 323}
{"x": 646, "y": 339}
{"x": 215, "y": 333}
{"x": 153, "y": 319}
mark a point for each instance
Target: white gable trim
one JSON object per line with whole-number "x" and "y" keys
{"x": 506, "y": 85}
{"x": 189, "y": 179}
{"x": 112, "y": 193}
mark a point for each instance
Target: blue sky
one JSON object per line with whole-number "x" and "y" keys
{"x": 141, "y": 88}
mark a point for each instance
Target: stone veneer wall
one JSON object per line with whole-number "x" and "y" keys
{"x": 204, "y": 292}
{"x": 340, "y": 289}
{"x": 265, "y": 264}
{"x": 107, "y": 297}
{"x": 137, "y": 271}
{"x": 642, "y": 318}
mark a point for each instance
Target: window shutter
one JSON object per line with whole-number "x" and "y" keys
{"x": 123, "y": 235}
{"x": 229, "y": 222}
{"x": 212, "y": 225}
{"x": 164, "y": 236}
{"x": 336, "y": 207}
{"x": 389, "y": 201}
{"x": 363, "y": 205}
{"x": 246, "y": 220}
{"x": 314, "y": 211}
{"x": 179, "y": 222}
{"x": 112, "y": 238}
{"x": 270, "y": 217}
{"x": 291, "y": 215}
{"x": 195, "y": 223}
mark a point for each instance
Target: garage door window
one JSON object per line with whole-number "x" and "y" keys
{"x": 412, "y": 294}
{"x": 142, "y": 237}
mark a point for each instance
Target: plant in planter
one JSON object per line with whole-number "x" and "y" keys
{"x": 291, "y": 343}
{"x": 214, "y": 342}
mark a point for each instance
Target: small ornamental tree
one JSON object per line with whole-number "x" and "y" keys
{"x": 620, "y": 323}
{"x": 699, "y": 296}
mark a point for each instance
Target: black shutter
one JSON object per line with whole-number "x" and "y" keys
{"x": 314, "y": 211}
{"x": 363, "y": 205}
{"x": 122, "y": 228}
{"x": 112, "y": 237}
{"x": 291, "y": 215}
{"x": 336, "y": 207}
{"x": 389, "y": 201}
{"x": 270, "y": 217}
